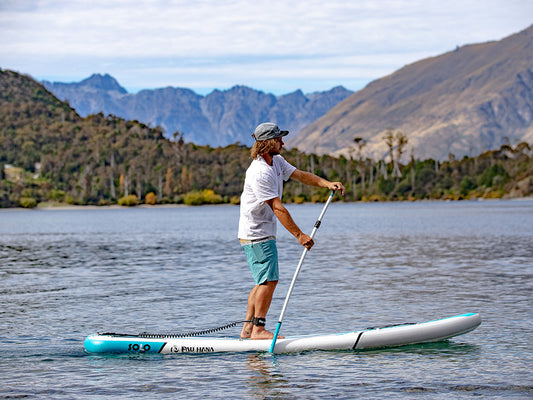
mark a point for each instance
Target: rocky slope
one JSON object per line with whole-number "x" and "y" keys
{"x": 464, "y": 102}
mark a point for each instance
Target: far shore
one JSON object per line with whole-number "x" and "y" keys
{"x": 62, "y": 206}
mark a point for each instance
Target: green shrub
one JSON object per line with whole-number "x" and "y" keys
{"x": 58, "y": 195}
{"x": 466, "y": 185}
{"x": 128, "y": 201}
{"x": 299, "y": 199}
{"x": 72, "y": 201}
{"x": 206, "y": 196}
{"x": 403, "y": 187}
{"x": 193, "y": 199}
{"x": 211, "y": 197}
{"x": 28, "y": 202}
{"x": 386, "y": 185}
{"x": 494, "y": 176}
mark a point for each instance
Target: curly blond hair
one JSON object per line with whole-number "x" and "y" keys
{"x": 262, "y": 147}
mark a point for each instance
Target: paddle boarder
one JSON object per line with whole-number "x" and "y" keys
{"x": 260, "y": 206}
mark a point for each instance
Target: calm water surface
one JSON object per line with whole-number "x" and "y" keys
{"x": 65, "y": 274}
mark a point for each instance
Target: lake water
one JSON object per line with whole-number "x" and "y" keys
{"x": 65, "y": 274}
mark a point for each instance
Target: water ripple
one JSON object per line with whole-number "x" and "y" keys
{"x": 66, "y": 274}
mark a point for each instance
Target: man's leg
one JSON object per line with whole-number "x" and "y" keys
{"x": 263, "y": 262}
{"x": 263, "y": 297}
{"x": 246, "y": 332}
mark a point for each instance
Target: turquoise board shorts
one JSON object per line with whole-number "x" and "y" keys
{"x": 263, "y": 260}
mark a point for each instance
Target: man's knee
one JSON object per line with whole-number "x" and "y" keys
{"x": 268, "y": 283}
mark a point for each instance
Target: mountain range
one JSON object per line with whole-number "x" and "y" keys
{"x": 464, "y": 102}
{"x": 217, "y": 119}
{"x": 461, "y": 103}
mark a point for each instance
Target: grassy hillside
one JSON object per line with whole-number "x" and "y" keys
{"x": 48, "y": 153}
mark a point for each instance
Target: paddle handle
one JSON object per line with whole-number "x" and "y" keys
{"x": 304, "y": 253}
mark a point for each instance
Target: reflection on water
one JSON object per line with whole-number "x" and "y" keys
{"x": 265, "y": 379}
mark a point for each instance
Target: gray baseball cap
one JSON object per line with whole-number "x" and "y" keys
{"x": 268, "y": 130}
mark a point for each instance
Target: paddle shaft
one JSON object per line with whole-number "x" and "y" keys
{"x": 304, "y": 253}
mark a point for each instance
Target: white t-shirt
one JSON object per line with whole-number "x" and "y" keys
{"x": 263, "y": 182}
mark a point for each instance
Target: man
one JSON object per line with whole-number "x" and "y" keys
{"x": 260, "y": 206}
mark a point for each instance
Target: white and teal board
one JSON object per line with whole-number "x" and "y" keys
{"x": 371, "y": 338}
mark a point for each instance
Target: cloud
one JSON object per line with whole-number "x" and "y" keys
{"x": 190, "y": 43}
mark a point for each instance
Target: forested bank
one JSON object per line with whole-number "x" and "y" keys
{"x": 49, "y": 154}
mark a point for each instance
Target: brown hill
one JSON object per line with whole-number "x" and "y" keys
{"x": 464, "y": 102}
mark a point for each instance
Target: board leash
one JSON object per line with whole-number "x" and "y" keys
{"x": 147, "y": 335}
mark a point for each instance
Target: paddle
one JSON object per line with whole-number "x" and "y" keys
{"x": 317, "y": 225}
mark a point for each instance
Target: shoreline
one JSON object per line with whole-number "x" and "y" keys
{"x": 68, "y": 207}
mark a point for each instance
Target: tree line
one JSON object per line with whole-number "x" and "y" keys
{"x": 49, "y": 154}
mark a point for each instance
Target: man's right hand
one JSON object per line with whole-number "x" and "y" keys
{"x": 306, "y": 241}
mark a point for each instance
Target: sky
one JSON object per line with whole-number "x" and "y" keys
{"x": 277, "y": 46}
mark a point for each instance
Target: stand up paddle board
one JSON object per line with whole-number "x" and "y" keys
{"x": 370, "y": 338}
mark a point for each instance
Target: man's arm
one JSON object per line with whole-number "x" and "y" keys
{"x": 314, "y": 180}
{"x": 286, "y": 220}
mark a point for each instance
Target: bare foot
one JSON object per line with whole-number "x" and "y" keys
{"x": 260, "y": 333}
{"x": 246, "y": 332}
